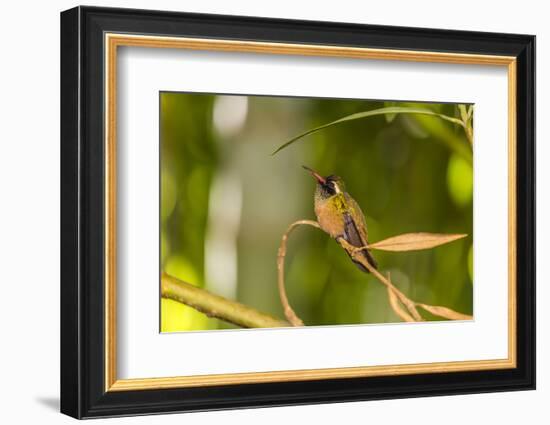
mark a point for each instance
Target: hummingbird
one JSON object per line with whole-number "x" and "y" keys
{"x": 339, "y": 214}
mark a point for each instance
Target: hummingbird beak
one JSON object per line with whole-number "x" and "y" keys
{"x": 316, "y": 175}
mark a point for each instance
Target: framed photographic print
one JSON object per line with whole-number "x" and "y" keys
{"x": 262, "y": 212}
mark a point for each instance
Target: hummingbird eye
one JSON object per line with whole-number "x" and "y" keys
{"x": 333, "y": 187}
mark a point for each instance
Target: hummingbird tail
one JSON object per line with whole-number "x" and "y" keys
{"x": 358, "y": 239}
{"x": 371, "y": 259}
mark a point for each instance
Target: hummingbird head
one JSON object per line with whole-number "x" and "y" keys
{"x": 327, "y": 186}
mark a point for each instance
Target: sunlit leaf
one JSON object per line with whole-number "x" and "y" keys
{"x": 181, "y": 268}
{"x": 415, "y": 241}
{"x": 445, "y": 312}
{"x": 460, "y": 180}
{"x": 177, "y": 317}
{"x": 366, "y": 114}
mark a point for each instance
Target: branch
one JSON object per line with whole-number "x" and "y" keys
{"x": 466, "y": 117}
{"x": 397, "y": 299}
{"x": 396, "y": 306}
{"x": 215, "y": 306}
{"x": 354, "y": 253}
{"x": 291, "y": 316}
{"x": 411, "y": 305}
{"x": 241, "y": 315}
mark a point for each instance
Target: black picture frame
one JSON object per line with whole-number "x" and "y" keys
{"x": 82, "y": 212}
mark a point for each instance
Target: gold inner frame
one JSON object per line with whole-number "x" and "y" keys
{"x": 113, "y": 41}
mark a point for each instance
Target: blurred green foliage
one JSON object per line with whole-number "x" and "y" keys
{"x": 225, "y": 203}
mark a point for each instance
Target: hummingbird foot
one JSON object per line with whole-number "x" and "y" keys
{"x": 358, "y": 254}
{"x": 353, "y": 250}
{"x": 358, "y": 249}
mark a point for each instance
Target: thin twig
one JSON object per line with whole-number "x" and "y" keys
{"x": 469, "y": 133}
{"x": 354, "y": 253}
{"x": 466, "y": 117}
{"x": 215, "y": 306}
{"x": 396, "y": 307}
{"x": 290, "y": 314}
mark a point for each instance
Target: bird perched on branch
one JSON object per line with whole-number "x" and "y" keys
{"x": 339, "y": 215}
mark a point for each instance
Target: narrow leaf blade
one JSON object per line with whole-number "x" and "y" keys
{"x": 415, "y": 241}
{"x": 360, "y": 115}
{"x": 445, "y": 312}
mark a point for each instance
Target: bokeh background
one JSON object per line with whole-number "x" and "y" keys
{"x": 225, "y": 203}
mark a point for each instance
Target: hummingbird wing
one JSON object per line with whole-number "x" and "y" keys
{"x": 355, "y": 230}
{"x": 359, "y": 218}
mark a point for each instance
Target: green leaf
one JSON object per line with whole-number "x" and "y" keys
{"x": 460, "y": 181}
{"x": 366, "y": 114}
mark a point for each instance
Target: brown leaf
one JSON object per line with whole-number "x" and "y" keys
{"x": 445, "y": 312}
{"x": 415, "y": 241}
